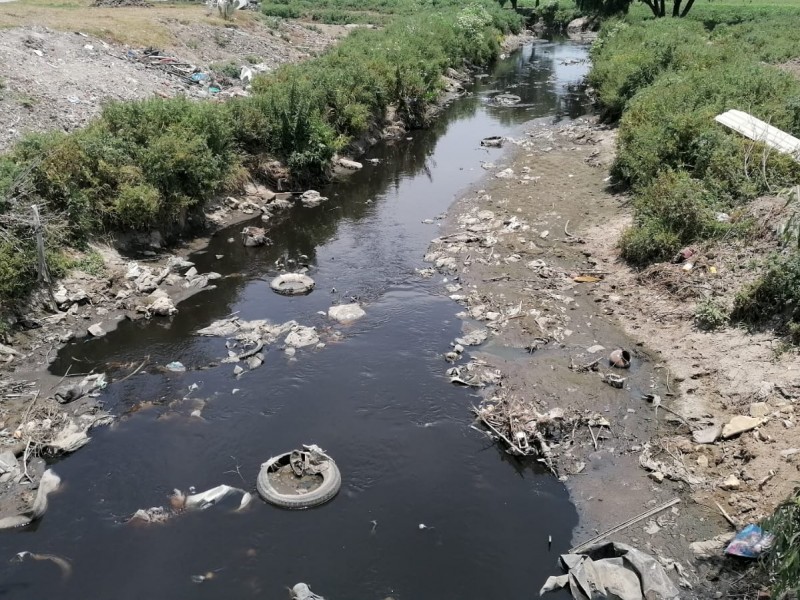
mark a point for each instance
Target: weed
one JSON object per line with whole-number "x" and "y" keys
{"x": 710, "y": 314}
{"x": 229, "y": 69}
{"x": 775, "y": 294}
{"x": 782, "y": 561}
{"x": 91, "y": 263}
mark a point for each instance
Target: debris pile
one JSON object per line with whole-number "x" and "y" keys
{"x": 251, "y": 337}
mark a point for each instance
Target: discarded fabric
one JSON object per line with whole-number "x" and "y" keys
{"x": 615, "y": 571}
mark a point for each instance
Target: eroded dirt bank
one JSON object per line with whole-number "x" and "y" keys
{"x": 532, "y": 257}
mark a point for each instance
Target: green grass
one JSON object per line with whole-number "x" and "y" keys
{"x": 664, "y": 81}
{"x": 782, "y": 561}
{"x": 154, "y": 163}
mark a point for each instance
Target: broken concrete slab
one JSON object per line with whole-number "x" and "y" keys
{"x": 739, "y": 424}
{"x": 96, "y": 330}
{"x": 759, "y": 410}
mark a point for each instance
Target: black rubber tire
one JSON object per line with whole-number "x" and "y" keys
{"x": 331, "y": 482}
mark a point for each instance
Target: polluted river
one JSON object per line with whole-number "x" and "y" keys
{"x": 429, "y": 507}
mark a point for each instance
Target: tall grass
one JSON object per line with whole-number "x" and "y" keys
{"x": 664, "y": 81}
{"x": 154, "y": 163}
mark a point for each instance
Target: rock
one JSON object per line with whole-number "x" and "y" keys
{"x": 759, "y": 410}
{"x": 192, "y": 272}
{"x": 162, "y": 307}
{"x": 254, "y": 362}
{"x": 350, "y": 164}
{"x": 8, "y": 462}
{"x": 578, "y": 25}
{"x": 789, "y": 452}
{"x": 731, "y": 483}
{"x": 739, "y": 424}
{"x": 254, "y": 236}
{"x": 96, "y": 330}
{"x": 301, "y": 337}
{"x": 709, "y": 435}
{"x": 290, "y": 351}
{"x": 237, "y": 370}
{"x": 595, "y": 349}
{"x": 702, "y": 460}
{"x": 656, "y": 476}
{"x": 346, "y": 313}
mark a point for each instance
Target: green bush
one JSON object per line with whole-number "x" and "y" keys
{"x": 775, "y": 294}
{"x": 782, "y": 561}
{"x": 672, "y": 212}
{"x": 710, "y": 314}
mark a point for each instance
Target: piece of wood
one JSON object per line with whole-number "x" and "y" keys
{"x": 653, "y": 511}
{"x": 728, "y": 518}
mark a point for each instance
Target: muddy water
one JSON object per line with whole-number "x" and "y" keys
{"x": 377, "y": 401}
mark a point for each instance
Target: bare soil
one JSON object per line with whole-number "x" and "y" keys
{"x": 55, "y": 80}
{"x": 545, "y": 259}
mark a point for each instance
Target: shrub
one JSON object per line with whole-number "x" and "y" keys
{"x": 673, "y": 211}
{"x": 710, "y": 315}
{"x": 782, "y": 561}
{"x": 775, "y": 294}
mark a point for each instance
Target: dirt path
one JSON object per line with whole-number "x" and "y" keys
{"x": 532, "y": 257}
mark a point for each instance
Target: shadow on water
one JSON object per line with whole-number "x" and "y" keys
{"x": 377, "y": 401}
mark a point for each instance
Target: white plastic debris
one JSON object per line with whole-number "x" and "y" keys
{"x": 346, "y": 313}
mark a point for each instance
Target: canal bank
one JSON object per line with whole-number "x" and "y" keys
{"x": 417, "y": 480}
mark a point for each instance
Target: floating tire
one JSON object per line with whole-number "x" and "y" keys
{"x": 325, "y": 491}
{"x": 292, "y": 284}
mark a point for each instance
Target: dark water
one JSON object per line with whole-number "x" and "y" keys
{"x": 377, "y": 402}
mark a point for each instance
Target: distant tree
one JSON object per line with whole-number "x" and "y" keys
{"x": 613, "y": 7}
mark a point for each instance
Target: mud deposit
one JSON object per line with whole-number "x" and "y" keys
{"x": 428, "y": 506}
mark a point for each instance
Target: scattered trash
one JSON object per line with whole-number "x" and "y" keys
{"x": 505, "y": 99}
{"x": 312, "y": 198}
{"x": 346, "y": 313}
{"x": 246, "y": 74}
{"x": 176, "y": 367}
{"x": 710, "y": 548}
{"x": 162, "y": 307}
{"x": 96, "y": 330}
{"x": 614, "y": 380}
{"x": 302, "y": 336}
{"x": 495, "y": 141}
{"x": 505, "y": 174}
{"x": 613, "y": 570}
{"x": 61, "y": 563}
{"x": 87, "y": 386}
{"x": 292, "y": 284}
{"x": 474, "y": 338}
{"x": 299, "y": 479}
{"x": 750, "y": 542}
{"x": 624, "y": 525}
{"x": 180, "y": 502}
{"x": 204, "y": 577}
{"x": 302, "y": 592}
{"x": 587, "y": 279}
{"x": 620, "y": 358}
{"x": 50, "y": 482}
{"x": 254, "y": 236}
{"x": 671, "y": 467}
